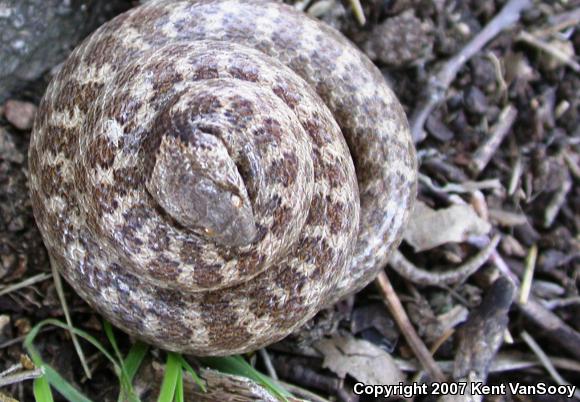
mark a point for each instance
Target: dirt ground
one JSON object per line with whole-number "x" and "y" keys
{"x": 498, "y": 149}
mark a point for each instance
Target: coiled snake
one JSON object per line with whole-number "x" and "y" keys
{"x": 191, "y": 176}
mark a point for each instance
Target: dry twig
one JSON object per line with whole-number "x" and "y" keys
{"x": 482, "y": 335}
{"x": 545, "y": 360}
{"x": 556, "y": 202}
{"x": 75, "y": 340}
{"x": 559, "y": 22}
{"x": 398, "y": 312}
{"x": 25, "y": 283}
{"x": 515, "y": 176}
{"x": 526, "y": 285}
{"x": 483, "y": 154}
{"x": 21, "y": 376}
{"x": 551, "y": 50}
{"x": 268, "y": 363}
{"x": 502, "y": 362}
{"x": 463, "y": 187}
{"x": 552, "y": 326}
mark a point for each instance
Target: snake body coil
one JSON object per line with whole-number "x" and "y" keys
{"x": 191, "y": 176}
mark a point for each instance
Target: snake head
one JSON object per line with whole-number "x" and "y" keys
{"x": 197, "y": 183}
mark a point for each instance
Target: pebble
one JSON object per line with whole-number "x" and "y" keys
{"x": 475, "y": 101}
{"x": 20, "y": 114}
{"x": 37, "y": 34}
{"x": 400, "y": 40}
{"x": 438, "y": 129}
{"x": 8, "y": 150}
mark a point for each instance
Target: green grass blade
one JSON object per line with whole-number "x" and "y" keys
{"x": 63, "y": 386}
{"x": 50, "y": 374}
{"x": 236, "y": 365}
{"x": 127, "y": 391}
{"x": 134, "y": 358}
{"x": 89, "y": 338}
{"x": 57, "y": 381}
{"x": 179, "y": 397}
{"x": 172, "y": 369}
{"x": 111, "y": 336}
{"x": 41, "y": 390}
{"x": 191, "y": 371}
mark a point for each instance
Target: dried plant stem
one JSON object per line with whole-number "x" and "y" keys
{"x": 22, "y": 376}
{"x": 504, "y": 361}
{"x": 551, "y": 50}
{"x": 559, "y": 22}
{"x": 358, "y": 11}
{"x": 552, "y": 326}
{"x": 484, "y": 153}
{"x": 515, "y": 176}
{"x": 75, "y": 340}
{"x": 556, "y": 202}
{"x": 545, "y": 360}
{"x": 526, "y": 285}
{"x": 398, "y": 312}
{"x": 268, "y": 363}
{"x": 25, "y": 283}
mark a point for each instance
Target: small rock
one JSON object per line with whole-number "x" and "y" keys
{"x": 7, "y": 263}
{"x": 510, "y": 246}
{"x": 20, "y": 114}
{"x": 455, "y": 101}
{"x": 460, "y": 125}
{"x": 401, "y": 40}
{"x": 37, "y": 34}
{"x": 23, "y": 326}
{"x": 8, "y": 150}
{"x": 475, "y": 101}
{"x": 4, "y": 320}
{"x": 16, "y": 224}
{"x": 552, "y": 259}
{"x": 483, "y": 73}
{"x": 320, "y": 8}
{"x": 438, "y": 130}
{"x": 526, "y": 234}
{"x": 5, "y": 330}
{"x": 492, "y": 113}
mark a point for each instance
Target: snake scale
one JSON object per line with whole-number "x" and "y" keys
{"x": 209, "y": 174}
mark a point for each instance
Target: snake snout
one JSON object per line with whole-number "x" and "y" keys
{"x": 197, "y": 183}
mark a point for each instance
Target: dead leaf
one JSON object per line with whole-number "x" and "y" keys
{"x": 360, "y": 359}
{"x": 429, "y": 228}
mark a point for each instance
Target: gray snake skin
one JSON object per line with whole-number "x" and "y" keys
{"x": 209, "y": 174}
